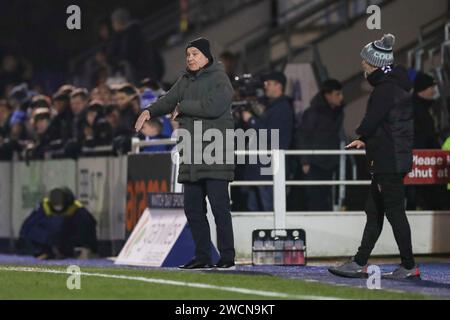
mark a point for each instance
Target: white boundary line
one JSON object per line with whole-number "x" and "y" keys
{"x": 269, "y": 294}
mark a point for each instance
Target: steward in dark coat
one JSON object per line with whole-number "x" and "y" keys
{"x": 57, "y": 226}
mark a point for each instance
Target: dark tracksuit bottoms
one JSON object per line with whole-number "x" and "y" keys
{"x": 387, "y": 196}
{"x": 195, "y": 194}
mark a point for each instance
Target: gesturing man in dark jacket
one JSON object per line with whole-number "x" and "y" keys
{"x": 321, "y": 129}
{"x": 387, "y": 132}
{"x": 201, "y": 100}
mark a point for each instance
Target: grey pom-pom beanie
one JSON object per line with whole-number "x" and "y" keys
{"x": 380, "y": 53}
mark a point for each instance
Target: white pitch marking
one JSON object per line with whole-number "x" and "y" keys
{"x": 270, "y": 294}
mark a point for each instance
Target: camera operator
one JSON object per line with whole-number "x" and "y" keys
{"x": 279, "y": 115}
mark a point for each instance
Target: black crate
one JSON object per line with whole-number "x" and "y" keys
{"x": 279, "y": 247}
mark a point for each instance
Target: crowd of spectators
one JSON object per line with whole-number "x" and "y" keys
{"x": 36, "y": 126}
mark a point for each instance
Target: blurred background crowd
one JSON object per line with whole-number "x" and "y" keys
{"x": 50, "y": 108}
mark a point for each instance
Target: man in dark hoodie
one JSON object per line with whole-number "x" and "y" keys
{"x": 278, "y": 115}
{"x": 425, "y": 197}
{"x": 201, "y": 100}
{"x": 387, "y": 133}
{"x": 321, "y": 129}
{"x": 425, "y": 136}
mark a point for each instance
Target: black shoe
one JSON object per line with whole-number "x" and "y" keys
{"x": 225, "y": 265}
{"x": 194, "y": 265}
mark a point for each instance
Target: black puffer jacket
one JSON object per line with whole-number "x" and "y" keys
{"x": 388, "y": 126}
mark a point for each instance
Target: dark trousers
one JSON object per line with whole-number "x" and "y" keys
{"x": 260, "y": 198}
{"x": 387, "y": 196}
{"x": 318, "y": 198}
{"x": 195, "y": 209}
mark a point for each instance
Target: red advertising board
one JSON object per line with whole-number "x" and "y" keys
{"x": 430, "y": 167}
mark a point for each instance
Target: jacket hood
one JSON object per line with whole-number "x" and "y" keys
{"x": 398, "y": 76}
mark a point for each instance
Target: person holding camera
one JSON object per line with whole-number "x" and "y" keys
{"x": 201, "y": 98}
{"x": 278, "y": 115}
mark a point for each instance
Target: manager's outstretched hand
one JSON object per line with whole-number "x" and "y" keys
{"x": 145, "y": 116}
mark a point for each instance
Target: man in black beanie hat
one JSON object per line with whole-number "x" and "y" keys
{"x": 201, "y": 98}
{"x": 202, "y": 44}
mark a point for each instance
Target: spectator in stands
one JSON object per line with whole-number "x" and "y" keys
{"x": 61, "y": 98}
{"x": 128, "y": 101}
{"x": 97, "y": 131}
{"x": 59, "y": 227}
{"x": 5, "y": 116}
{"x": 112, "y": 115}
{"x": 202, "y": 94}
{"x": 102, "y": 93}
{"x": 321, "y": 129}
{"x": 61, "y": 126}
{"x": 153, "y": 130}
{"x": 278, "y": 115}
{"x": 39, "y": 104}
{"x": 121, "y": 135}
{"x": 16, "y": 140}
{"x": 149, "y": 84}
{"x": 425, "y": 135}
{"x": 42, "y": 139}
{"x": 17, "y": 125}
{"x": 79, "y": 100}
{"x": 40, "y": 101}
{"x": 20, "y": 97}
{"x": 122, "y": 115}
{"x": 150, "y": 92}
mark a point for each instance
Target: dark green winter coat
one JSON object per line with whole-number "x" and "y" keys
{"x": 204, "y": 98}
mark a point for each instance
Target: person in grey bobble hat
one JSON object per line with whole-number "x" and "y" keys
{"x": 386, "y": 132}
{"x": 380, "y": 53}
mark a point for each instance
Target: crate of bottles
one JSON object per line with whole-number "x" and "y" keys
{"x": 279, "y": 247}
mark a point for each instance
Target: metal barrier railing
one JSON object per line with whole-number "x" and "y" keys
{"x": 279, "y": 181}
{"x": 278, "y": 164}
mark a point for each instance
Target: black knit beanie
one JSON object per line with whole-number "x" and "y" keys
{"x": 423, "y": 81}
{"x": 201, "y": 44}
